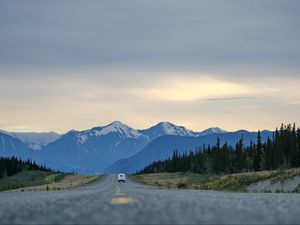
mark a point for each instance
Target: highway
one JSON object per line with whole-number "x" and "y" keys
{"x": 110, "y": 202}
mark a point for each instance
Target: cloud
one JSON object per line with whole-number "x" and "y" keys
{"x": 292, "y": 103}
{"x": 206, "y": 36}
{"x": 65, "y": 66}
{"x": 192, "y": 89}
{"x": 235, "y": 98}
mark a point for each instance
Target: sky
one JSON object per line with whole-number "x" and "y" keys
{"x": 65, "y": 65}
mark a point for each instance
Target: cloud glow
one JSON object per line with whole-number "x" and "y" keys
{"x": 197, "y": 89}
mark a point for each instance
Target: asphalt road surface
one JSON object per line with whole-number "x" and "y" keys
{"x": 110, "y": 202}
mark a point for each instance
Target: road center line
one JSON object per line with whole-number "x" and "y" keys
{"x": 118, "y": 200}
{"x": 122, "y": 200}
{"x": 118, "y": 190}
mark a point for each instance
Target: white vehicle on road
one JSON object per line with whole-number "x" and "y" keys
{"x": 121, "y": 177}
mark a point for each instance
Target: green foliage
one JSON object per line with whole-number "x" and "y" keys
{"x": 283, "y": 151}
{"x": 13, "y": 165}
{"x": 16, "y": 173}
{"x": 182, "y": 185}
{"x": 28, "y": 178}
{"x": 54, "y": 177}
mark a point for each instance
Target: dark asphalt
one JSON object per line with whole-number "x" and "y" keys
{"x": 110, "y": 202}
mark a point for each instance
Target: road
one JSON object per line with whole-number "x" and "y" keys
{"x": 110, "y": 202}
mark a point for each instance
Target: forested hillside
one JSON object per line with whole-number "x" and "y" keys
{"x": 281, "y": 151}
{"x": 13, "y": 165}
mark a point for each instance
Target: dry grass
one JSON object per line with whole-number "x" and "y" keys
{"x": 174, "y": 180}
{"x": 231, "y": 182}
{"x": 69, "y": 181}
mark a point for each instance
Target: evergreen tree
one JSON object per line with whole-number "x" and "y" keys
{"x": 268, "y": 156}
{"x": 282, "y": 151}
{"x": 293, "y": 147}
{"x": 298, "y": 147}
{"x": 239, "y": 163}
{"x": 257, "y": 153}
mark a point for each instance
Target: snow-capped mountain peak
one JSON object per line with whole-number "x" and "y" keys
{"x": 172, "y": 129}
{"x": 117, "y": 123}
{"x": 117, "y": 127}
{"x": 167, "y": 128}
{"x": 212, "y": 130}
{"x": 95, "y": 149}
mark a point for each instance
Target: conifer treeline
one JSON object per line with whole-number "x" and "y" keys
{"x": 13, "y": 165}
{"x": 280, "y": 151}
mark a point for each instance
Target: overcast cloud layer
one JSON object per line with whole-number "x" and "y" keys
{"x": 77, "y": 64}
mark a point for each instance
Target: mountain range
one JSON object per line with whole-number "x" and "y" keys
{"x": 34, "y": 140}
{"x": 112, "y": 148}
{"x": 164, "y": 146}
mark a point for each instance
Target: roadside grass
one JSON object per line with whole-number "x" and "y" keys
{"x": 174, "y": 180}
{"x": 29, "y": 178}
{"x": 236, "y": 182}
{"x": 232, "y": 182}
{"x": 36, "y": 180}
{"x": 92, "y": 179}
{"x": 67, "y": 182}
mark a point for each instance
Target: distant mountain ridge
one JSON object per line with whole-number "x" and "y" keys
{"x": 212, "y": 130}
{"x": 34, "y": 140}
{"x": 10, "y": 146}
{"x": 99, "y": 148}
{"x": 163, "y": 147}
{"x": 91, "y": 151}
{"x": 37, "y": 140}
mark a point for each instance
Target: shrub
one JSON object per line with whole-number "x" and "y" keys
{"x": 182, "y": 185}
